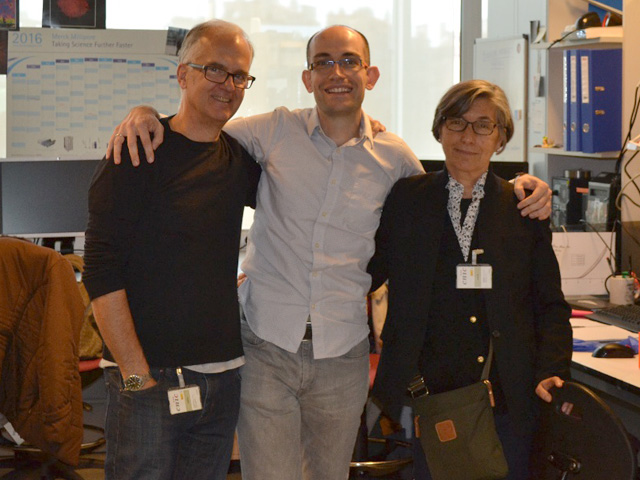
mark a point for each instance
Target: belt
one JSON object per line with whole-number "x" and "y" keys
{"x": 308, "y": 333}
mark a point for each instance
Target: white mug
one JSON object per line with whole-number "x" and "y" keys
{"x": 621, "y": 290}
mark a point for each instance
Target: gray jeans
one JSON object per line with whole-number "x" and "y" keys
{"x": 299, "y": 416}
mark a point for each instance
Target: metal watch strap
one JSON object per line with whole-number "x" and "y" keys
{"x": 135, "y": 381}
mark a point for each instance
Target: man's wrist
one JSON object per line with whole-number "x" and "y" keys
{"x": 136, "y": 381}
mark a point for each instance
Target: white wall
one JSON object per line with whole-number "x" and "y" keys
{"x": 507, "y": 18}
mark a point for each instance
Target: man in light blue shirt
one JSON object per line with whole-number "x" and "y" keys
{"x": 325, "y": 179}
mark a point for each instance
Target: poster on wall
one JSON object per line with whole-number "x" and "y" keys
{"x": 9, "y": 12}
{"x": 68, "y": 88}
{"x": 73, "y": 13}
{"x": 3, "y": 51}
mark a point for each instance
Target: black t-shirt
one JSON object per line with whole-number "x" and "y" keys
{"x": 168, "y": 233}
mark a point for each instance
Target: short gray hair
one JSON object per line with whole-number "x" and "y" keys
{"x": 219, "y": 26}
{"x": 459, "y": 98}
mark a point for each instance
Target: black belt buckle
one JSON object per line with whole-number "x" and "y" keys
{"x": 417, "y": 388}
{"x": 308, "y": 333}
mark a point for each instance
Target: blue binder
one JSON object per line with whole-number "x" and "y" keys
{"x": 566, "y": 118}
{"x": 574, "y": 124}
{"x": 601, "y": 103}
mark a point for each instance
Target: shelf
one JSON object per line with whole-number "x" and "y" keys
{"x": 590, "y": 41}
{"x": 539, "y": 46}
{"x": 604, "y": 41}
{"x": 560, "y": 151}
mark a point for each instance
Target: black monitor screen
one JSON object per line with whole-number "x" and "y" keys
{"x": 44, "y": 198}
{"x": 506, "y": 170}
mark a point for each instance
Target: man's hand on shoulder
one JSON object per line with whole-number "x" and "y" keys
{"x": 142, "y": 121}
{"x": 376, "y": 126}
{"x": 538, "y": 204}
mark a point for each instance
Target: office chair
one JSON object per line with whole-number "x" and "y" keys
{"x": 588, "y": 444}
{"x": 41, "y": 312}
{"x": 373, "y": 456}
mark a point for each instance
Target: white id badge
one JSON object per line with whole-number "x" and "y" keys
{"x": 473, "y": 276}
{"x": 184, "y": 399}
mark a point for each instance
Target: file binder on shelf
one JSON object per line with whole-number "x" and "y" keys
{"x": 601, "y": 99}
{"x": 575, "y": 144}
{"x": 566, "y": 81}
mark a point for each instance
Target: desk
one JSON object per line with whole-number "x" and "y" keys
{"x": 616, "y": 380}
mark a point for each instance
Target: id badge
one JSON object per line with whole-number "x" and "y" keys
{"x": 184, "y": 399}
{"x": 469, "y": 276}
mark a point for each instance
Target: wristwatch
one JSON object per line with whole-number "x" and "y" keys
{"x": 135, "y": 382}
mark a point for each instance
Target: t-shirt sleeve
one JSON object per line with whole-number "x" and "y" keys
{"x": 258, "y": 133}
{"x": 116, "y": 201}
{"x": 254, "y": 170}
{"x": 412, "y": 164}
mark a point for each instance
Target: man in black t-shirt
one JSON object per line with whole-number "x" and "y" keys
{"x": 161, "y": 263}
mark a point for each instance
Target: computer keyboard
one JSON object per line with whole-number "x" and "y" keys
{"x": 623, "y": 316}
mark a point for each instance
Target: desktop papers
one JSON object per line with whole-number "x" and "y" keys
{"x": 584, "y": 259}
{"x": 588, "y": 330}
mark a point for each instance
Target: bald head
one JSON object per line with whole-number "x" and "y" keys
{"x": 315, "y": 36}
{"x": 213, "y": 29}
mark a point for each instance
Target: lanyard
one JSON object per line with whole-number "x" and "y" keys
{"x": 464, "y": 230}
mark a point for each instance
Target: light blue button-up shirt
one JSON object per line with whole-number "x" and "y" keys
{"x": 313, "y": 232}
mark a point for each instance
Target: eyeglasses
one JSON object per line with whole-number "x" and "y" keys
{"x": 218, "y": 75}
{"x": 481, "y": 127}
{"x": 347, "y": 64}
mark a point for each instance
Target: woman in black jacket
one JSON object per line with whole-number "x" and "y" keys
{"x": 432, "y": 226}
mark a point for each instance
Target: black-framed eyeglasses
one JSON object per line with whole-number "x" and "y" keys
{"x": 218, "y": 75}
{"x": 481, "y": 127}
{"x": 349, "y": 64}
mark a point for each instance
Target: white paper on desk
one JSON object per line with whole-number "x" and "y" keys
{"x": 583, "y": 260}
{"x": 588, "y": 330}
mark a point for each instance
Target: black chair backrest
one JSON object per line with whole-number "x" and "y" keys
{"x": 590, "y": 443}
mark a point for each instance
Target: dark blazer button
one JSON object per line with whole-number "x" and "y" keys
{"x": 495, "y": 333}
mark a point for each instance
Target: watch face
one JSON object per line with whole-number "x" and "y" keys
{"x": 133, "y": 383}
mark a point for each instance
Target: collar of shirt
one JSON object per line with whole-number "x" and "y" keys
{"x": 365, "y": 134}
{"x": 464, "y": 230}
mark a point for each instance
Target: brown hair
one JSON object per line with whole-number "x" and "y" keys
{"x": 459, "y": 98}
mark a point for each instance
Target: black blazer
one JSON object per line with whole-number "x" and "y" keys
{"x": 526, "y": 312}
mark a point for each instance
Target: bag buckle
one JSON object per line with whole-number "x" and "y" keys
{"x": 417, "y": 388}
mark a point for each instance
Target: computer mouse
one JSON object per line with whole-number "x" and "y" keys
{"x": 589, "y": 19}
{"x": 613, "y": 350}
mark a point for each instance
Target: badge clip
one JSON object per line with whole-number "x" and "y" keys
{"x": 474, "y": 275}
{"x": 185, "y": 398}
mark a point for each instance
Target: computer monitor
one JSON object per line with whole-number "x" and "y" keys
{"x": 44, "y": 198}
{"x": 506, "y": 170}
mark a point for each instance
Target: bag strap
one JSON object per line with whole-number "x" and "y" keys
{"x": 487, "y": 365}
{"x": 418, "y": 388}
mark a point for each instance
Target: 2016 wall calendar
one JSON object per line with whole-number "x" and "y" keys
{"x": 68, "y": 88}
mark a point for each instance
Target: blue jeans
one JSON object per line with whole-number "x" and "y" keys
{"x": 144, "y": 441}
{"x": 299, "y": 416}
{"x": 516, "y": 447}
